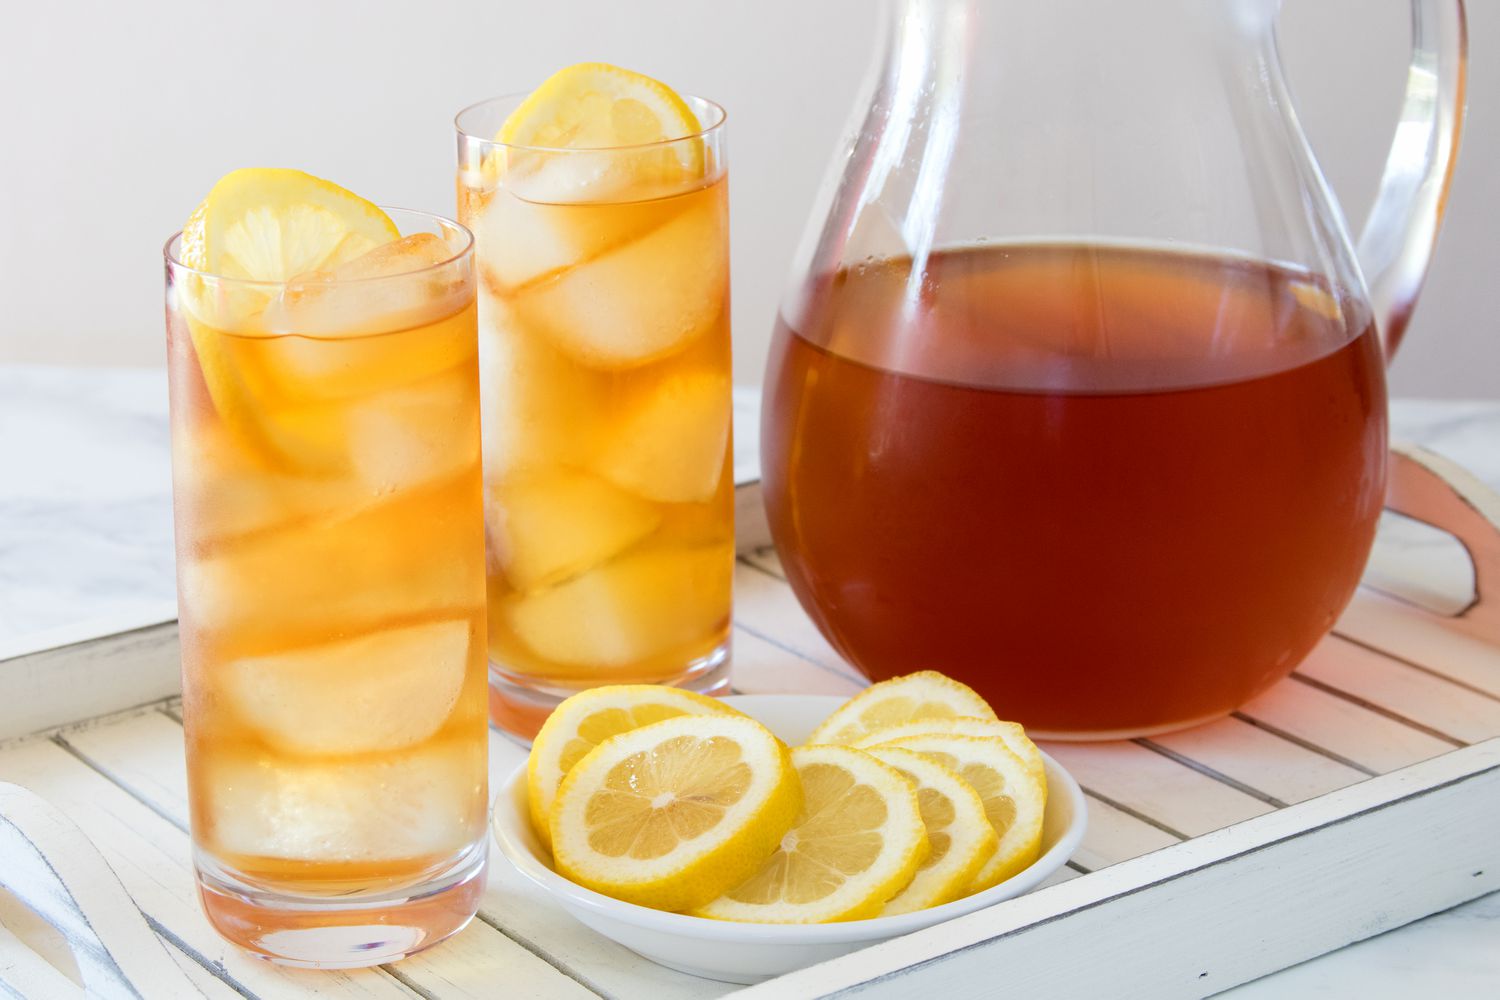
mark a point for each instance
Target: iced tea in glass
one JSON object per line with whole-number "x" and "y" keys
{"x": 326, "y": 465}
{"x": 605, "y": 387}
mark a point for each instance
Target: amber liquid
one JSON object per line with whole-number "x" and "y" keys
{"x": 330, "y": 585}
{"x": 1116, "y": 490}
{"x": 605, "y": 384}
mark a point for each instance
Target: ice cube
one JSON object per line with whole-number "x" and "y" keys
{"x": 577, "y": 176}
{"x": 224, "y": 490}
{"x": 640, "y": 605}
{"x": 409, "y": 253}
{"x": 384, "y": 690}
{"x": 369, "y": 448}
{"x": 553, "y": 524}
{"x": 338, "y": 368}
{"x": 581, "y": 175}
{"x": 417, "y": 552}
{"x": 669, "y": 440}
{"x": 643, "y": 300}
{"x": 517, "y": 241}
{"x": 539, "y": 407}
{"x": 344, "y": 301}
{"x": 427, "y": 802}
{"x": 416, "y": 433}
{"x": 520, "y": 241}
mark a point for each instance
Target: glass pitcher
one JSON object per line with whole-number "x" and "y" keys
{"x": 1079, "y": 393}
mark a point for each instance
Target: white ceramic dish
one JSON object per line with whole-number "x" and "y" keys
{"x": 749, "y": 953}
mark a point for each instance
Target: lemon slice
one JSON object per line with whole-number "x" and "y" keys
{"x": 857, "y": 842}
{"x": 959, "y": 836}
{"x": 263, "y": 224}
{"x": 673, "y": 814}
{"x": 1014, "y": 798}
{"x": 626, "y": 118}
{"x": 926, "y": 694}
{"x": 598, "y": 106}
{"x": 1012, "y": 733}
{"x": 589, "y": 718}
{"x": 271, "y": 224}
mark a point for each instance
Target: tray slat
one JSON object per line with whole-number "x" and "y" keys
{"x": 1287, "y": 771}
{"x": 1340, "y": 729}
{"x": 763, "y": 667}
{"x": 1175, "y": 795}
{"x": 1405, "y": 632}
{"x": 1416, "y": 697}
{"x": 765, "y": 606}
{"x": 1114, "y": 835}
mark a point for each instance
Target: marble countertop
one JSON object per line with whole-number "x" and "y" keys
{"x": 86, "y": 550}
{"x": 85, "y": 505}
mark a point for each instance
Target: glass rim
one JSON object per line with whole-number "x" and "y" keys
{"x": 468, "y": 248}
{"x": 721, "y": 116}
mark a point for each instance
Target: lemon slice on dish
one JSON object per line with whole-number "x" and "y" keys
{"x": 1014, "y": 798}
{"x": 926, "y": 694}
{"x": 673, "y": 814}
{"x": 856, "y": 843}
{"x": 1013, "y": 734}
{"x": 590, "y": 717}
{"x": 960, "y": 838}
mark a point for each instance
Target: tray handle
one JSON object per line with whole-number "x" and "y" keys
{"x": 1432, "y": 489}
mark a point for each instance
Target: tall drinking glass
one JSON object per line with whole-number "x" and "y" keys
{"x": 605, "y": 386}
{"x": 326, "y": 485}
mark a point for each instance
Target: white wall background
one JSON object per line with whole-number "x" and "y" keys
{"x": 117, "y": 117}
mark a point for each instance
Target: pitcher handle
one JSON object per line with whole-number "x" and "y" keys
{"x": 1397, "y": 242}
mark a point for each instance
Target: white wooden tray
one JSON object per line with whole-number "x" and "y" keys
{"x": 1360, "y": 794}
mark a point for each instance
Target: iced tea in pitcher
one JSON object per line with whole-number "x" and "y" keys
{"x": 1112, "y": 488}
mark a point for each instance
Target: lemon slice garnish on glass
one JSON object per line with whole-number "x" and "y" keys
{"x": 599, "y": 107}
{"x": 589, "y": 718}
{"x": 265, "y": 225}
{"x": 271, "y": 224}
